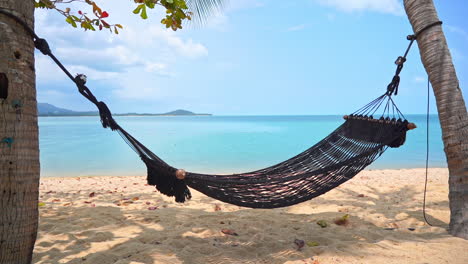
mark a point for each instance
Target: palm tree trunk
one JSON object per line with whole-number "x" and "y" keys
{"x": 453, "y": 116}
{"x": 19, "y": 148}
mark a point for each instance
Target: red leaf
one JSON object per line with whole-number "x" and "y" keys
{"x": 152, "y": 208}
{"x": 229, "y": 232}
{"x": 92, "y": 194}
{"x": 104, "y": 14}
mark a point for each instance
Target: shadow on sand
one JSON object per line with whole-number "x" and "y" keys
{"x": 181, "y": 234}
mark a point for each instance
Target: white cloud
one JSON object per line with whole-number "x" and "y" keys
{"x": 419, "y": 79}
{"x": 244, "y": 4}
{"x": 159, "y": 68}
{"x": 132, "y": 63}
{"x": 47, "y": 70}
{"x": 297, "y": 27}
{"x": 50, "y": 96}
{"x": 382, "y": 6}
{"x": 456, "y": 54}
{"x": 140, "y": 87}
{"x": 218, "y": 22}
{"x": 91, "y": 73}
{"x": 112, "y": 55}
{"x": 458, "y": 31}
{"x": 188, "y": 48}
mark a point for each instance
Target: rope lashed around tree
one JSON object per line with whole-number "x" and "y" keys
{"x": 354, "y": 145}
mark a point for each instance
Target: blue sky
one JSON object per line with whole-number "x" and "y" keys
{"x": 257, "y": 57}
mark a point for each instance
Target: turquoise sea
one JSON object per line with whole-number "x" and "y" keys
{"x": 79, "y": 146}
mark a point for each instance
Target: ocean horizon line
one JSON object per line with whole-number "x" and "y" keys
{"x": 144, "y": 174}
{"x": 216, "y": 115}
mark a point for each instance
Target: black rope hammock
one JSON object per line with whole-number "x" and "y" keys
{"x": 359, "y": 141}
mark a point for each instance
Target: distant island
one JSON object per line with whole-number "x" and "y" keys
{"x": 45, "y": 109}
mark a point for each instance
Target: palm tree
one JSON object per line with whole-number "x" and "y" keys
{"x": 19, "y": 150}
{"x": 203, "y": 9}
{"x": 453, "y": 117}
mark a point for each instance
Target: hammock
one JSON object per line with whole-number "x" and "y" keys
{"x": 334, "y": 160}
{"x": 354, "y": 145}
{"x": 359, "y": 141}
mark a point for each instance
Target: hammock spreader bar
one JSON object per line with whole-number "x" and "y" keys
{"x": 334, "y": 160}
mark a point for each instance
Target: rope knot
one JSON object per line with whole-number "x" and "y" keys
{"x": 400, "y": 60}
{"x": 106, "y": 117}
{"x": 80, "y": 80}
{"x": 392, "y": 87}
{"x": 42, "y": 45}
{"x": 411, "y": 37}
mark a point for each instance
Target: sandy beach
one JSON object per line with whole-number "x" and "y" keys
{"x": 104, "y": 220}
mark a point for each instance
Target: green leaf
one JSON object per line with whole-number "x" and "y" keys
{"x": 149, "y": 4}
{"x": 322, "y": 223}
{"x": 143, "y": 13}
{"x": 138, "y": 9}
{"x": 312, "y": 243}
{"x": 47, "y": 3}
{"x": 39, "y": 5}
{"x": 71, "y": 21}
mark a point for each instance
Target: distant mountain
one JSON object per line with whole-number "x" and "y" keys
{"x": 45, "y": 109}
{"x": 48, "y": 109}
{"x": 179, "y": 112}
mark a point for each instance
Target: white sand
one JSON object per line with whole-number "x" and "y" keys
{"x": 116, "y": 226}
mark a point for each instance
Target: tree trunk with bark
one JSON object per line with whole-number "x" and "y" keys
{"x": 453, "y": 117}
{"x": 19, "y": 147}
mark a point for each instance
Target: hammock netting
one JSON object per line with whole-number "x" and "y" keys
{"x": 334, "y": 160}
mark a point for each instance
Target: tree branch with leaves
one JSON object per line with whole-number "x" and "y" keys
{"x": 176, "y": 13}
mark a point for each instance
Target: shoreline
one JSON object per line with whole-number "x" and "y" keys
{"x": 132, "y": 115}
{"x": 219, "y": 172}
